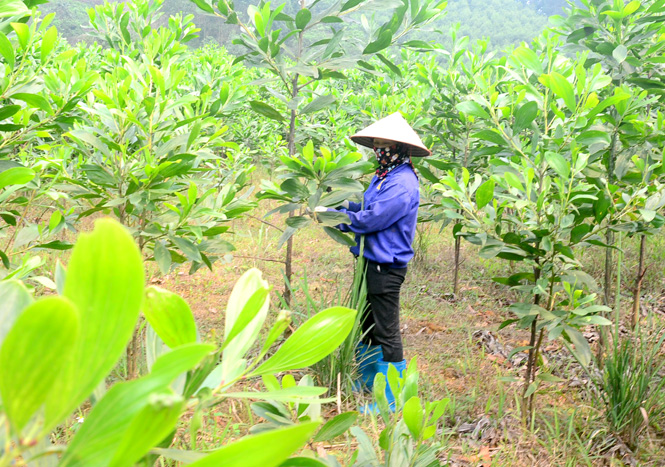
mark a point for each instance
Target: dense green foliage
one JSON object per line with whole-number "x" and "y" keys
{"x": 503, "y": 22}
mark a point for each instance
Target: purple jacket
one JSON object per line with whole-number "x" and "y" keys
{"x": 389, "y": 218}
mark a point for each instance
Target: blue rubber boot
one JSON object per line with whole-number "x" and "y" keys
{"x": 382, "y": 368}
{"x": 366, "y": 357}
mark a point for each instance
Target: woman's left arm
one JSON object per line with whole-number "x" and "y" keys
{"x": 391, "y": 206}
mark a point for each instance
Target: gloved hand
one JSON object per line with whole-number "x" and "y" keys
{"x": 316, "y": 210}
{"x": 345, "y": 204}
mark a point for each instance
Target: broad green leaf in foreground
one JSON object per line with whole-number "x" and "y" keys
{"x": 149, "y": 427}
{"x": 16, "y": 176}
{"x": 170, "y": 316}
{"x": 15, "y": 298}
{"x": 103, "y": 432}
{"x": 414, "y": 416}
{"x": 336, "y": 426}
{"x": 252, "y": 450}
{"x": 105, "y": 282}
{"x": 312, "y": 341}
{"x": 237, "y": 307}
{"x": 9, "y": 8}
{"x": 293, "y": 394}
{"x": 32, "y": 356}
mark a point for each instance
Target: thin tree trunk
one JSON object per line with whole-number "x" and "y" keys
{"x": 638, "y": 281}
{"x": 288, "y": 262}
{"x": 609, "y": 266}
{"x": 530, "y": 371}
{"x": 133, "y": 355}
{"x": 531, "y": 361}
{"x": 458, "y": 241}
{"x": 609, "y": 240}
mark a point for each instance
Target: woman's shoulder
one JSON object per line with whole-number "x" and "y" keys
{"x": 404, "y": 175}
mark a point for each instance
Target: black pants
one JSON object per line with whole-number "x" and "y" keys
{"x": 381, "y": 320}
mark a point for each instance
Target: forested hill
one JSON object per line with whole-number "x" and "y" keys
{"x": 504, "y": 22}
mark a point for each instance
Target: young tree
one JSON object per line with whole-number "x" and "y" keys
{"x": 314, "y": 43}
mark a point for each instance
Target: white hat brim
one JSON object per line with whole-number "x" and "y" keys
{"x": 393, "y": 128}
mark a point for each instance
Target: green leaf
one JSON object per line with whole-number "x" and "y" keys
{"x": 295, "y": 188}
{"x": 517, "y": 350}
{"x": 472, "y": 108}
{"x": 529, "y": 59}
{"x": 340, "y": 237}
{"x": 204, "y": 5}
{"x": 239, "y": 305}
{"x": 333, "y": 218}
{"x": 303, "y": 18}
{"x": 6, "y": 49}
{"x": 620, "y": 53}
{"x": 491, "y": 136}
{"x": 632, "y": 7}
{"x": 33, "y": 100}
{"x": 298, "y": 222}
{"x": 266, "y": 110}
{"x": 54, "y": 245}
{"x": 32, "y": 356}
{"x": 291, "y": 394}
{"x": 413, "y": 416}
{"x": 485, "y": 193}
{"x": 188, "y": 248}
{"x": 267, "y": 449}
{"x": 317, "y": 104}
{"x": 105, "y": 282}
{"x": 427, "y": 174}
{"x": 249, "y": 311}
{"x": 383, "y": 41}
{"x": 513, "y": 181}
{"x": 647, "y": 214}
{"x": 336, "y": 426}
{"x": 103, "y": 432}
{"x": 23, "y": 33}
{"x": 8, "y": 110}
{"x": 490, "y": 250}
{"x": 578, "y": 232}
{"x": 15, "y": 298}
{"x": 9, "y": 8}
{"x": 303, "y": 462}
{"x": 391, "y": 66}
{"x": 170, "y": 316}
{"x": 317, "y": 338}
{"x": 350, "y": 4}
{"x": 558, "y": 163}
{"x": 582, "y": 349}
{"x": 162, "y": 257}
{"x": 16, "y": 176}
{"x": 150, "y": 426}
{"x": 525, "y": 115}
{"x": 48, "y": 43}
{"x": 563, "y": 89}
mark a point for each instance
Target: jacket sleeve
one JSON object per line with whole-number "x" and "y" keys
{"x": 391, "y": 206}
{"x": 354, "y": 207}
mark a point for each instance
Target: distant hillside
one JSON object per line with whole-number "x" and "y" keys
{"x": 504, "y": 22}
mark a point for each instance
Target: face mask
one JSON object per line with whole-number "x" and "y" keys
{"x": 391, "y": 157}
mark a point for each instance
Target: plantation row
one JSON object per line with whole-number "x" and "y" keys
{"x": 539, "y": 153}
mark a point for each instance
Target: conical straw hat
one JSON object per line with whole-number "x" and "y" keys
{"x": 394, "y": 128}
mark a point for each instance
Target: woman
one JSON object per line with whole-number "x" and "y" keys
{"x": 387, "y": 219}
